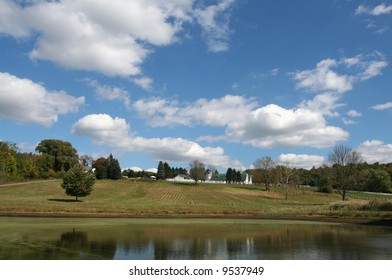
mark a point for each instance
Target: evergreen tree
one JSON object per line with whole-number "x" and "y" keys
{"x": 182, "y": 171}
{"x": 229, "y": 175}
{"x": 161, "y": 171}
{"x": 168, "y": 171}
{"x": 114, "y": 170}
{"x": 233, "y": 175}
{"x": 77, "y": 182}
{"x": 238, "y": 177}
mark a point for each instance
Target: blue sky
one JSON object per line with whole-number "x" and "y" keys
{"x": 225, "y": 82}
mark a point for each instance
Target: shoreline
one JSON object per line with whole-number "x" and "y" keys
{"x": 321, "y": 219}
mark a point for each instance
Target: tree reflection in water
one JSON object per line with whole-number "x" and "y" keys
{"x": 193, "y": 239}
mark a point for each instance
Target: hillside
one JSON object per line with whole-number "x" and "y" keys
{"x": 124, "y": 198}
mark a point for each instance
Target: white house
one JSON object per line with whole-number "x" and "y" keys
{"x": 181, "y": 178}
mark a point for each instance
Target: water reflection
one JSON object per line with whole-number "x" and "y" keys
{"x": 193, "y": 239}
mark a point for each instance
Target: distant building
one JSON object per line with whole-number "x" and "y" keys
{"x": 181, "y": 178}
{"x": 248, "y": 179}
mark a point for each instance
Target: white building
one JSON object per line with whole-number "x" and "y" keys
{"x": 248, "y": 179}
{"x": 181, "y": 178}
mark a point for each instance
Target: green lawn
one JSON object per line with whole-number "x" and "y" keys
{"x": 161, "y": 198}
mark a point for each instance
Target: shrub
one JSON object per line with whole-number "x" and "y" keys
{"x": 376, "y": 205}
{"x": 325, "y": 189}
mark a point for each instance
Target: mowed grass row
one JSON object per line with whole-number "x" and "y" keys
{"x": 161, "y": 198}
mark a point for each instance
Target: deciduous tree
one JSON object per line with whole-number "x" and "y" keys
{"x": 264, "y": 171}
{"x": 64, "y": 155}
{"x": 343, "y": 161}
{"x": 101, "y": 168}
{"x": 197, "y": 170}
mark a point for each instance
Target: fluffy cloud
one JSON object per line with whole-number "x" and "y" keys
{"x": 376, "y": 151}
{"x": 215, "y": 23}
{"x": 24, "y": 101}
{"x": 381, "y": 107}
{"x": 354, "y": 114}
{"x": 104, "y": 130}
{"x": 116, "y": 133}
{"x": 111, "y": 37}
{"x": 373, "y": 69}
{"x": 105, "y": 92}
{"x": 325, "y": 103}
{"x": 214, "y": 112}
{"x": 245, "y": 121}
{"x": 301, "y": 160}
{"x": 272, "y": 125}
{"x": 325, "y": 77}
{"x": 332, "y": 78}
{"x": 144, "y": 82}
{"x": 381, "y": 9}
{"x": 372, "y": 15}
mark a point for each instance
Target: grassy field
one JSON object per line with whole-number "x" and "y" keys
{"x": 167, "y": 199}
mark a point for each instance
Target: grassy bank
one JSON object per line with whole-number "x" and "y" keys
{"x": 159, "y": 198}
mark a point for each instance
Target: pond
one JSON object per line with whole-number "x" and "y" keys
{"x": 189, "y": 239}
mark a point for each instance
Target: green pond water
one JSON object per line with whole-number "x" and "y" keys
{"x": 201, "y": 239}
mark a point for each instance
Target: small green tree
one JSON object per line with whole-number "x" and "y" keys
{"x": 77, "y": 182}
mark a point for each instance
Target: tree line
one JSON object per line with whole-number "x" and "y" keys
{"x": 344, "y": 170}
{"x": 53, "y": 158}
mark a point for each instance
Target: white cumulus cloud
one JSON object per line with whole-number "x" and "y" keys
{"x": 272, "y": 126}
{"x": 376, "y": 151}
{"x": 25, "y": 101}
{"x": 244, "y": 121}
{"x": 339, "y": 76}
{"x": 323, "y": 78}
{"x": 116, "y": 133}
{"x": 113, "y": 37}
{"x": 378, "y": 10}
{"x": 384, "y": 106}
{"x": 301, "y": 160}
{"x": 214, "y": 112}
{"x": 325, "y": 103}
{"x": 354, "y": 114}
{"x": 332, "y": 78}
{"x": 144, "y": 82}
{"x": 214, "y": 20}
{"x": 105, "y": 92}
